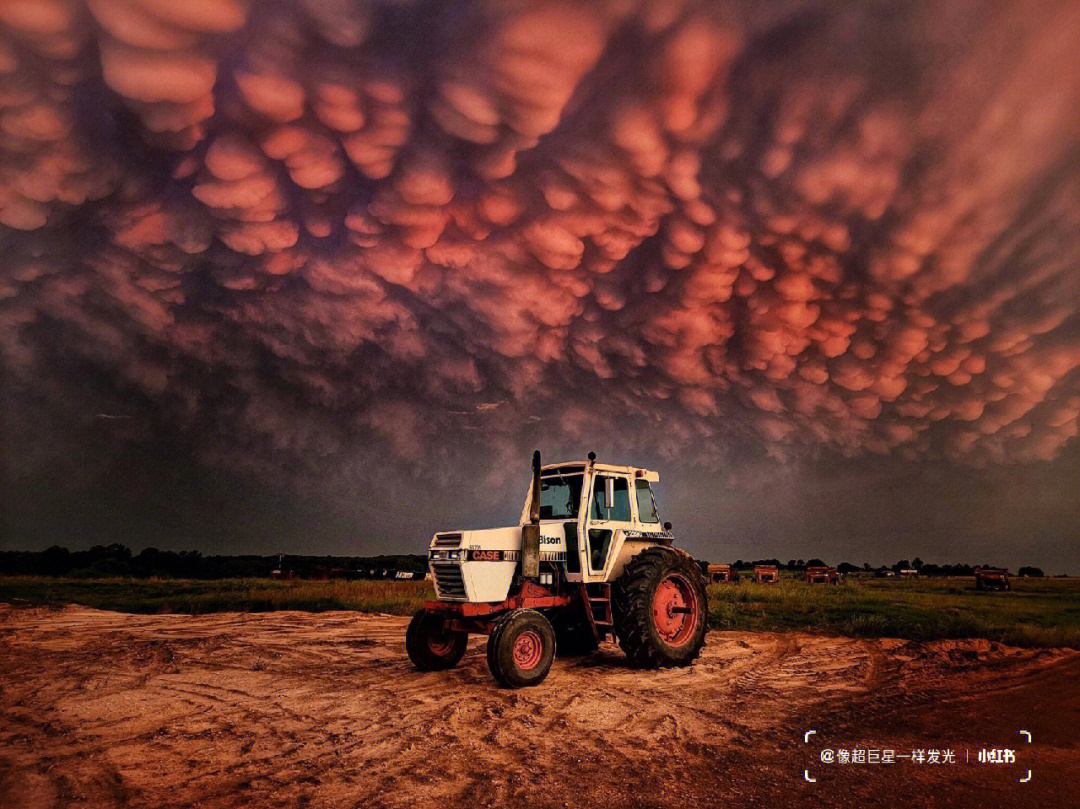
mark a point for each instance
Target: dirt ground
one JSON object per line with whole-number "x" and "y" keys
{"x": 102, "y": 709}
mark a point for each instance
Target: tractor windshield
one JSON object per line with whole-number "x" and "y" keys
{"x": 559, "y": 497}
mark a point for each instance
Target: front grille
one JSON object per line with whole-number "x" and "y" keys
{"x": 447, "y": 540}
{"x": 448, "y": 581}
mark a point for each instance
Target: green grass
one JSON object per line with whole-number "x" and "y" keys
{"x": 1037, "y": 612}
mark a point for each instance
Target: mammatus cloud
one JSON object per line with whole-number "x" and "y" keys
{"x": 300, "y": 234}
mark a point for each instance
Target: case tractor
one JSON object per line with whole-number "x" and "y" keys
{"x": 588, "y": 559}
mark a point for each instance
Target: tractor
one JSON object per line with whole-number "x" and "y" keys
{"x": 588, "y": 559}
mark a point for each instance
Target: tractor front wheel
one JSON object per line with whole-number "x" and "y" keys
{"x": 660, "y": 609}
{"x": 431, "y": 645}
{"x": 520, "y": 649}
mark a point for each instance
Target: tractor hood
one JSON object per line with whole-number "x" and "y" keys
{"x": 479, "y": 565}
{"x": 509, "y": 538}
{"x": 503, "y": 539}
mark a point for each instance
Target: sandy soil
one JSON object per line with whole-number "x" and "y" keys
{"x": 102, "y": 709}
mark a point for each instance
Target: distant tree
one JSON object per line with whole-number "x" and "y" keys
{"x": 903, "y": 564}
{"x": 55, "y": 561}
{"x": 846, "y": 568}
{"x": 815, "y": 563}
{"x": 1035, "y": 572}
{"x": 104, "y": 568}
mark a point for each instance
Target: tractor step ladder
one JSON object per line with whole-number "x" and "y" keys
{"x": 600, "y": 607}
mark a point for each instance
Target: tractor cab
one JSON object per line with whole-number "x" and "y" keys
{"x": 597, "y": 509}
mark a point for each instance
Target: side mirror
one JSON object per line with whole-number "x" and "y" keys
{"x": 609, "y": 493}
{"x": 667, "y": 526}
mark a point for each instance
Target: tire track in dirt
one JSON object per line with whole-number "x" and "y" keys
{"x": 289, "y": 709}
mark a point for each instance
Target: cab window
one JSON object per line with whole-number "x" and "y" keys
{"x": 599, "y": 543}
{"x": 646, "y": 505}
{"x": 559, "y": 497}
{"x": 621, "y": 510}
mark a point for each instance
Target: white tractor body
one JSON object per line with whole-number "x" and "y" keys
{"x": 479, "y": 565}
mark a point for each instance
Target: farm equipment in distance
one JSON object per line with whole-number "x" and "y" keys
{"x": 589, "y": 558}
{"x": 822, "y": 575}
{"x": 992, "y": 578}
{"x": 766, "y": 574}
{"x": 720, "y": 574}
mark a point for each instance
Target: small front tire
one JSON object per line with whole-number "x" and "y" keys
{"x": 430, "y": 645}
{"x": 520, "y": 649}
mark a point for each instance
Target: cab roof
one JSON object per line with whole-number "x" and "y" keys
{"x": 577, "y": 467}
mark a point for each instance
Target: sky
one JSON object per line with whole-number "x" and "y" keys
{"x": 316, "y": 276}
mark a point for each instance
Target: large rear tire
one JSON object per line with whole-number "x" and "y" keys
{"x": 660, "y": 609}
{"x": 520, "y": 649}
{"x": 431, "y": 646}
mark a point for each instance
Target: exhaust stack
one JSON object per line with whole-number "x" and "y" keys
{"x": 530, "y": 532}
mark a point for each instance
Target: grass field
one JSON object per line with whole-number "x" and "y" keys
{"x": 198, "y": 596}
{"x": 1037, "y": 612}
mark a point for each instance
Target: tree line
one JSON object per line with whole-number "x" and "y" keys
{"x": 118, "y": 560}
{"x": 924, "y": 568}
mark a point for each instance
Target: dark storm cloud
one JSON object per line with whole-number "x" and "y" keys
{"x": 304, "y": 235}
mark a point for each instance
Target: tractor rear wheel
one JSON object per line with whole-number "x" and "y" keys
{"x": 520, "y": 649}
{"x": 660, "y": 609}
{"x": 431, "y": 645}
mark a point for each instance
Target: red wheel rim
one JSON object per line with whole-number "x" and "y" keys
{"x": 528, "y": 649}
{"x": 440, "y": 642}
{"x": 676, "y": 609}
